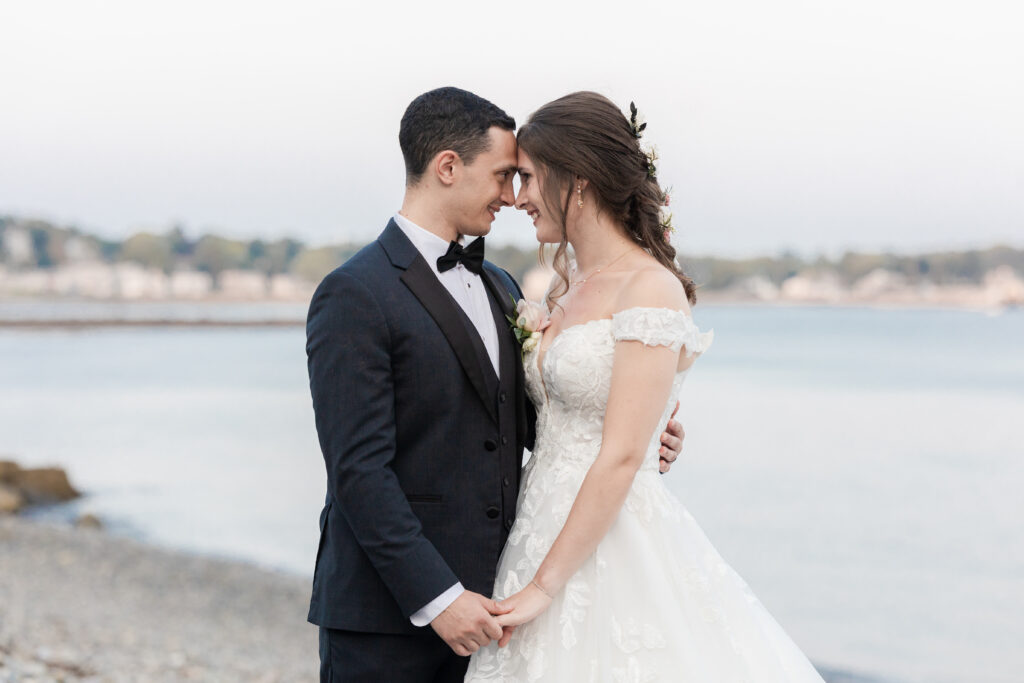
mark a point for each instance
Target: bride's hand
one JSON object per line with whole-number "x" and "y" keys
{"x": 526, "y": 605}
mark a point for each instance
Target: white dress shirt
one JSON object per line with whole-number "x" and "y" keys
{"x": 467, "y": 288}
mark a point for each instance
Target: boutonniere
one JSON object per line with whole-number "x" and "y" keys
{"x": 531, "y": 319}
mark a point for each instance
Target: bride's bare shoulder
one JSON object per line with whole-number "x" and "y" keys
{"x": 653, "y": 286}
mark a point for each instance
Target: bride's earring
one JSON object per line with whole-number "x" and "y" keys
{"x": 579, "y": 196}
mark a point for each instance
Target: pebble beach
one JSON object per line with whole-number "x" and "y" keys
{"x": 81, "y": 605}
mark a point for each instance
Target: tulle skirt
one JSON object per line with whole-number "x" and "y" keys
{"x": 655, "y": 602}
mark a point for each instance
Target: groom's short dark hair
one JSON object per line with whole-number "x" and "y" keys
{"x": 447, "y": 118}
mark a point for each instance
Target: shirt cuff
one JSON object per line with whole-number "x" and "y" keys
{"x": 427, "y": 614}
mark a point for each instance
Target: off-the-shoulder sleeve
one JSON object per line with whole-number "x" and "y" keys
{"x": 660, "y": 327}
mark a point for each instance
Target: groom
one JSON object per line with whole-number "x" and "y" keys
{"x": 421, "y": 411}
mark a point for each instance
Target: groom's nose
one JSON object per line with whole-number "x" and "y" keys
{"x": 508, "y": 194}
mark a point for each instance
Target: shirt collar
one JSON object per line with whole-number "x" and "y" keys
{"x": 427, "y": 243}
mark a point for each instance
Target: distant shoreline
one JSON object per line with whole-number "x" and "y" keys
{"x": 726, "y": 302}
{"x": 115, "y": 321}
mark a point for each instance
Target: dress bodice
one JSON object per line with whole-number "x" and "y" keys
{"x": 571, "y": 390}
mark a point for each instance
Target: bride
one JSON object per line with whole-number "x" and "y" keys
{"x": 607, "y": 576}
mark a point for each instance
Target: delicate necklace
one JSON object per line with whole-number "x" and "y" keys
{"x": 580, "y": 282}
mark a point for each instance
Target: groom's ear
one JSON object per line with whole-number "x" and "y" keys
{"x": 445, "y": 166}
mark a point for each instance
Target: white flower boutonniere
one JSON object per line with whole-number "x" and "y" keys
{"x": 530, "y": 321}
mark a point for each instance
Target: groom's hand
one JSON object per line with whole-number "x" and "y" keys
{"x": 671, "y": 442}
{"x": 469, "y": 624}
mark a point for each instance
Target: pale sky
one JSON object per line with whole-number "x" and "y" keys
{"x": 815, "y": 126}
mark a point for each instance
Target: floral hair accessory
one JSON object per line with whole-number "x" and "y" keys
{"x": 667, "y": 228}
{"x": 530, "y": 321}
{"x": 652, "y": 155}
{"x": 637, "y": 124}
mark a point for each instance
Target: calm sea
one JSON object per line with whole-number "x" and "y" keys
{"x": 862, "y": 469}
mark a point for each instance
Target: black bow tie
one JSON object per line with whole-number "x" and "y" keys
{"x": 471, "y": 256}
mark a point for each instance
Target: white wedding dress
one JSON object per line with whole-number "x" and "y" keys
{"x": 655, "y": 602}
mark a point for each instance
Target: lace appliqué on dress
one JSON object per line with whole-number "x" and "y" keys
{"x": 660, "y": 327}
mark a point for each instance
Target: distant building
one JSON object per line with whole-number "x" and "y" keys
{"x": 813, "y": 288}
{"x": 26, "y": 283}
{"x": 289, "y": 288}
{"x": 190, "y": 284}
{"x": 878, "y": 282}
{"x": 242, "y": 284}
{"x": 88, "y": 279}
{"x": 536, "y": 282}
{"x": 17, "y": 246}
{"x": 136, "y": 282}
{"x": 77, "y": 250}
{"x": 1003, "y": 287}
{"x": 756, "y": 287}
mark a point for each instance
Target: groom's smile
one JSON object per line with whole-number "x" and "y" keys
{"x": 487, "y": 182}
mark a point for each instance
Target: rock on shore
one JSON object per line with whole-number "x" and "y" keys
{"x": 20, "y": 486}
{"x": 81, "y": 606}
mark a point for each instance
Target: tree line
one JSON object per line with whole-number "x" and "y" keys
{"x": 41, "y": 244}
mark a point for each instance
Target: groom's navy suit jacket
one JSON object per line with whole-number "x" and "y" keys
{"x": 423, "y": 443}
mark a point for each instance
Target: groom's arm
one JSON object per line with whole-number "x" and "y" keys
{"x": 349, "y": 357}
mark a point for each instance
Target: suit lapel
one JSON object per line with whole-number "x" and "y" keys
{"x": 486, "y": 367}
{"x": 500, "y": 295}
{"x": 501, "y": 306}
{"x": 425, "y": 286}
{"x": 502, "y": 303}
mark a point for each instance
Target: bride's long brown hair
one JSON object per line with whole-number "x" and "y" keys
{"x": 585, "y": 135}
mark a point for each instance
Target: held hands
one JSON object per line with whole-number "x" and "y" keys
{"x": 469, "y": 623}
{"x": 671, "y": 442}
{"x": 530, "y": 602}
{"x": 524, "y": 606}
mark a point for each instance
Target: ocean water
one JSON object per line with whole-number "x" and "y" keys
{"x": 862, "y": 469}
